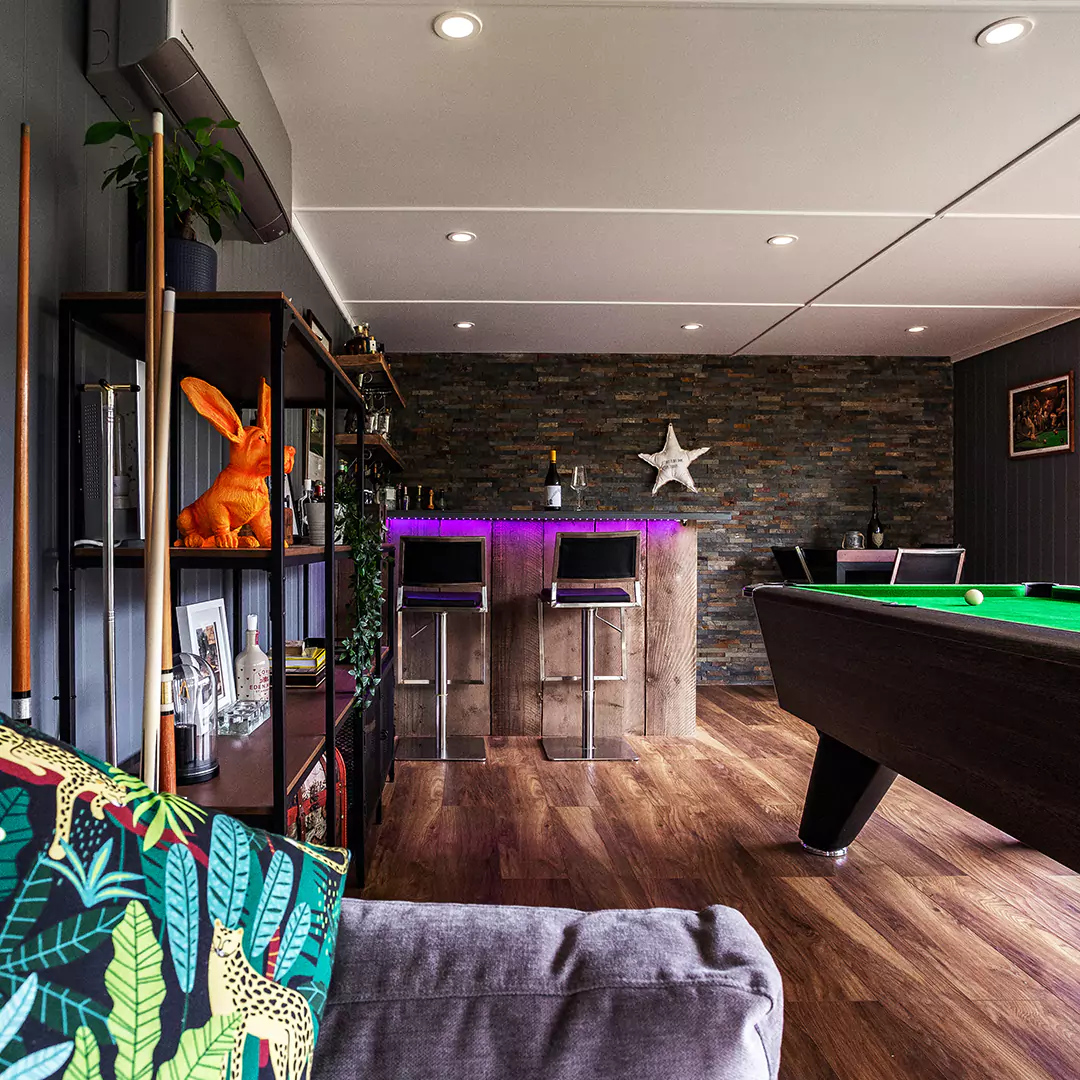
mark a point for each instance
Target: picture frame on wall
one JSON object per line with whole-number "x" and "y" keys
{"x": 1042, "y": 417}
{"x": 204, "y": 631}
{"x": 318, "y": 330}
{"x": 315, "y": 445}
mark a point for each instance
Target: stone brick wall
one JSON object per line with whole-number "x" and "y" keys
{"x": 796, "y": 444}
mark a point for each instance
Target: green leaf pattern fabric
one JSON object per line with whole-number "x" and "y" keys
{"x": 144, "y": 938}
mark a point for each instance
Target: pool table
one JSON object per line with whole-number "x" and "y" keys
{"x": 979, "y": 704}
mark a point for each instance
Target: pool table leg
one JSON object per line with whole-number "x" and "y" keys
{"x": 845, "y": 789}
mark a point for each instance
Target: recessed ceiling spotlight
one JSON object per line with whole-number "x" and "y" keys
{"x": 457, "y": 25}
{"x": 916, "y": 329}
{"x": 782, "y": 240}
{"x": 691, "y": 326}
{"x": 461, "y": 237}
{"x": 1005, "y": 30}
{"x": 464, "y": 325}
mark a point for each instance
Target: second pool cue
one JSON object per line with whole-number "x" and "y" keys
{"x": 21, "y": 704}
{"x": 157, "y": 558}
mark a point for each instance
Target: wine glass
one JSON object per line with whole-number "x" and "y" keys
{"x": 578, "y": 482}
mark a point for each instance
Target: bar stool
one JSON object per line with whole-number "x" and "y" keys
{"x": 582, "y": 560}
{"x": 440, "y": 575}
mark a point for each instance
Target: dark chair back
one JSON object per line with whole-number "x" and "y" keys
{"x": 820, "y": 564}
{"x": 928, "y": 566}
{"x": 596, "y": 556}
{"x": 790, "y": 564}
{"x": 442, "y": 560}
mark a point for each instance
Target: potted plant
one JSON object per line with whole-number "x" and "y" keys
{"x": 196, "y": 168}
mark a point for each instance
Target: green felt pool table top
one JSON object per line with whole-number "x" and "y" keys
{"x": 1004, "y": 603}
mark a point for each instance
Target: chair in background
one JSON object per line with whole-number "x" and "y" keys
{"x": 791, "y": 564}
{"x": 928, "y": 566}
{"x": 587, "y": 571}
{"x": 440, "y": 575}
{"x": 820, "y": 564}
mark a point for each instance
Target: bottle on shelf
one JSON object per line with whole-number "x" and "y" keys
{"x": 317, "y": 516}
{"x": 253, "y": 668}
{"x": 552, "y": 486}
{"x": 875, "y": 534}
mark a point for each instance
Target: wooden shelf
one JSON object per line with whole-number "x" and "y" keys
{"x": 244, "y": 784}
{"x": 209, "y": 558}
{"x": 224, "y": 338}
{"x": 376, "y": 448}
{"x": 377, "y": 372}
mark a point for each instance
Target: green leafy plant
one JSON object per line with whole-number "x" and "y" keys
{"x": 364, "y": 535}
{"x": 94, "y": 884}
{"x": 196, "y": 169}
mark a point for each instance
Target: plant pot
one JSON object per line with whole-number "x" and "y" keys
{"x": 190, "y": 266}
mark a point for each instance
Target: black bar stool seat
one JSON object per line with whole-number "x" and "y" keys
{"x": 426, "y": 600}
{"x": 582, "y": 560}
{"x": 440, "y": 575}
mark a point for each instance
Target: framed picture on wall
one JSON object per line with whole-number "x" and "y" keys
{"x": 318, "y": 329}
{"x": 1041, "y": 419}
{"x": 204, "y": 631}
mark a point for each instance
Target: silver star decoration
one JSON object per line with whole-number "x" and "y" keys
{"x": 673, "y": 462}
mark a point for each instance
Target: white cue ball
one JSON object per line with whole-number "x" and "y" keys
{"x": 973, "y": 597}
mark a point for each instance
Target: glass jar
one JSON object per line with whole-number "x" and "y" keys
{"x": 196, "y": 719}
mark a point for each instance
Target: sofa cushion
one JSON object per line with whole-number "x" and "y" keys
{"x": 460, "y": 992}
{"x": 143, "y": 933}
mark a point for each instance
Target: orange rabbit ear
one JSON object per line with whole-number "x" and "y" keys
{"x": 210, "y": 402}
{"x": 264, "y": 408}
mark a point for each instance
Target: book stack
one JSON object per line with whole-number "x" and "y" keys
{"x": 305, "y": 665}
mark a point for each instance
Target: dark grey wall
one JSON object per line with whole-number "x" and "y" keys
{"x": 79, "y": 242}
{"x": 1018, "y": 518}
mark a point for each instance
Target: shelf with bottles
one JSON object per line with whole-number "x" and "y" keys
{"x": 375, "y": 374}
{"x": 376, "y": 450}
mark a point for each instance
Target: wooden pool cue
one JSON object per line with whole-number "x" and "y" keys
{"x": 21, "y": 705}
{"x": 154, "y": 681}
{"x": 167, "y": 735}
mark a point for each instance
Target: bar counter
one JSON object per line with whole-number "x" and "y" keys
{"x": 658, "y": 696}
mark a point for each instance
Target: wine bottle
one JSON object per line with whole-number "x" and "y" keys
{"x": 875, "y": 534}
{"x": 253, "y": 667}
{"x": 552, "y": 486}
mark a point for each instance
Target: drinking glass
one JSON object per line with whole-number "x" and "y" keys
{"x": 578, "y": 482}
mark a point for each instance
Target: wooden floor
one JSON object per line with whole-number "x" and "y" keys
{"x": 940, "y": 948}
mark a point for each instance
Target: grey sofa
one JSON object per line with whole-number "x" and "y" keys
{"x": 456, "y": 992}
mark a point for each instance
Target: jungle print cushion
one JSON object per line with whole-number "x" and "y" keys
{"x": 143, "y": 938}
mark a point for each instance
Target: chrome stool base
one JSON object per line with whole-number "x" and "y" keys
{"x": 837, "y": 853}
{"x": 569, "y": 748}
{"x": 458, "y": 748}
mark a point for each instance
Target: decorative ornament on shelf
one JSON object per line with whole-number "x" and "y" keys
{"x": 673, "y": 462}
{"x": 238, "y": 496}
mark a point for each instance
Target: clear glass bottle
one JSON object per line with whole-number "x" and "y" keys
{"x": 253, "y": 668}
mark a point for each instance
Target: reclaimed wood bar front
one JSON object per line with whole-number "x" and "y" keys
{"x": 656, "y": 698}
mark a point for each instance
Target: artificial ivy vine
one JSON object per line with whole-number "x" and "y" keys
{"x": 364, "y": 535}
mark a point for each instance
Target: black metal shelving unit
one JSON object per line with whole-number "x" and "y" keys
{"x": 232, "y": 340}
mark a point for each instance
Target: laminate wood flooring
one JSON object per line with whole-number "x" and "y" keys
{"x": 939, "y": 948}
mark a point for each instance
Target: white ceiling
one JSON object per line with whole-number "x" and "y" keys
{"x": 622, "y": 166}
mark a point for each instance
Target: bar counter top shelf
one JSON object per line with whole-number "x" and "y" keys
{"x": 657, "y": 696}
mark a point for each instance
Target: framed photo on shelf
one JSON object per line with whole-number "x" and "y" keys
{"x": 1041, "y": 417}
{"x": 315, "y": 444}
{"x": 204, "y": 631}
{"x": 318, "y": 330}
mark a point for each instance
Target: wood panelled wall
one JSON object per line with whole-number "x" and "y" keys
{"x": 1019, "y": 519}
{"x": 79, "y": 238}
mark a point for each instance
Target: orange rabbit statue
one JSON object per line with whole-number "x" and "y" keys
{"x": 238, "y": 496}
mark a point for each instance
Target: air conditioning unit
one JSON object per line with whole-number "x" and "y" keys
{"x": 191, "y": 58}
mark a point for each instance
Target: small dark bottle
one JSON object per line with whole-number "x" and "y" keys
{"x": 875, "y": 534}
{"x": 552, "y": 485}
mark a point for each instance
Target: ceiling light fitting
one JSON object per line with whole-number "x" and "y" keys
{"x": 461, "y": 237}
{"x": 457, "y": 25}
{"x": 782, "y": 240}
{"x": 916, "y": 329}
{"x": 1005, "y": 30}
{"x": 691, "y": 326}
{"x": 464, "y": 325}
